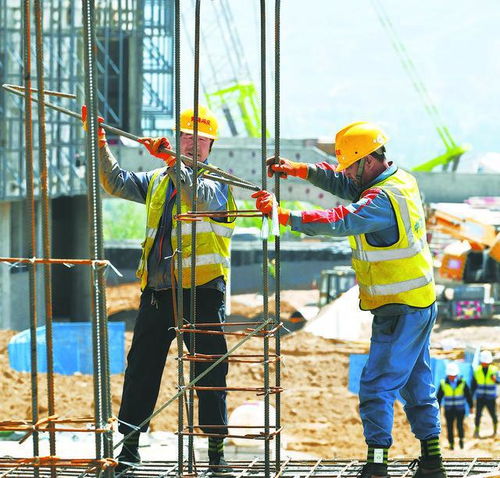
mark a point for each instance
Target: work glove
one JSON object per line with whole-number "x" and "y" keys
{"x": 286, "y": 168}
{"x": 155, "y": 147}
{"x": 101, "y": 134}
{"x": 264, "y": 202}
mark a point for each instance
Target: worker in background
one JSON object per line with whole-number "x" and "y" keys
{"x": 484, "y": 385}
{"x": 386, "y": 228}
{"x": 154, "y": 328}
{"x": 456, "y": 393}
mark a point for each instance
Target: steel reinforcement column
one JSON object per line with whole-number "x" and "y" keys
{"x": 265, "y": 252}
{"x": 277, "y": 244}
{"x": 104, "y": 445}
{"x": 30, "y": 217}
{"x": 178, "y": 253}
{"x": 45, "y": 200}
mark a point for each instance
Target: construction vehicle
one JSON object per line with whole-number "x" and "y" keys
{"x": 468, "y": 268}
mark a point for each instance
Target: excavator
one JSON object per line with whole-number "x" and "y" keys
{"x": 468, "y": 268}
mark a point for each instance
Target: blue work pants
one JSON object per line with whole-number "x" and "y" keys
{"x": 399, "y": 361}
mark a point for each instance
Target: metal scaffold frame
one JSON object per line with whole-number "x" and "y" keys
{"x": 134, "y": 54}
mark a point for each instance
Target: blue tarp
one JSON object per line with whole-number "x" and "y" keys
{"x": 72, "y": 346}
{"x": 438, "y": 366}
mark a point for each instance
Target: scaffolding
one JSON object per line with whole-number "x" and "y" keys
{"x": 134, "y": 56}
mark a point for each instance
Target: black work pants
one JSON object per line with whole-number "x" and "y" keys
{"x": 490, "y": 404}
{"x": 153, "y": 334}
{"x": 451, "y": 415}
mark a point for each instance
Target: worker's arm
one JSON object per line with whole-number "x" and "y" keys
{"x": 211, "y": 195}
{"x": 473, "y": 386}
{"x": 120, "y": 182}
{"x": 116, "y": 181}
{"x": 372, "y": 213}
{"x": 323, "y": 176}
{"x": 440, "y": 395}
{"x": 468, "y": 396}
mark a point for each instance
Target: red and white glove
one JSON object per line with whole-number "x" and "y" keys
{"x": 286, "y": 168}
{"x": 101, "y": 134}
{"x": 157, "y": 147}
{"x": 264, "y": 202}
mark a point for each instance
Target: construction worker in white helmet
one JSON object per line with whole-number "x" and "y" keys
{"x": 454, "y": 394}
{"x": 385, "y": 225}
{"x": 154, "y": 328}
{"x": 484, "y": 386}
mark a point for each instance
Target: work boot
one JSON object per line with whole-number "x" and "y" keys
{"x": 495, "y": 429}
{"x": 374, "y": 470}
{"x": 461, "y": 443}
{"x": 218, "y": 466}
{"x": 476, "y": 432}
{"x": 428, "y": 468}
{"x": 452, "y": 446}
{"x": 128, "y": 458}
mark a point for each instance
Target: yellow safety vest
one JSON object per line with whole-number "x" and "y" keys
{"x": 486, "y": 385}
{"x": 453, "y": 397}
{"x": 401, "y": 273}
{"x": 213, "y": 239}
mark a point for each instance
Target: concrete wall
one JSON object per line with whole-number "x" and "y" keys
{"x": 242, "y": 156}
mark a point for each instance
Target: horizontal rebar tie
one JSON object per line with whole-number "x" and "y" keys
{"x": 249, "y": 436}
{"x": 92, "y": 465}
{"x": 233, "y": 358}
{"x": 194, "y": 215}
{"x": 260, "y": 390}
{"x": 197, "y": 330}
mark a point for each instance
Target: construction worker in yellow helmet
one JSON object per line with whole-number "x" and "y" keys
{"x": 154, "y": 327}
{"x": 385, "y": 224}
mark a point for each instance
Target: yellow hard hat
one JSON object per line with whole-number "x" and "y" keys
{"x": 357, "y": 141}
{"x": 207, "y": 122}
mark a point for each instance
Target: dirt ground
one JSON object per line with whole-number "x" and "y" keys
{"x": 320, "y": 416}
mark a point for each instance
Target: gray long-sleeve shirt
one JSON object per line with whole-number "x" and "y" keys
{"x": 133, "y": 186}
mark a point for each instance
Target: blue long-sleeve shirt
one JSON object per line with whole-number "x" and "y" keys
{"x": 133, "y": 186}
{"x": 370, "y": 213}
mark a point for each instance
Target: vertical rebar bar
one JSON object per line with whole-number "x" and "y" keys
{"x": 194, "y": 207}
{"x": 180, "y": 294}
{"x": 99, "y": 330}
{"x": 265, "y": 254}
{"x": 30, "y": 216}
{"x": 277, "y": 243}
{"x": 44, "y": 198}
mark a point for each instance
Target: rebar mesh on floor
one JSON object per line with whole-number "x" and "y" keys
{"x": 455, "y": 468}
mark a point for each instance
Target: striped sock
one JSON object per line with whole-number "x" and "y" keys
{"x": 377, "y": 454}
{"x": 430, "y": 448}
{"x": 215, "y": 446}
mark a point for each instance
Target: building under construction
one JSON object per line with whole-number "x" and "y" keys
{"x": 122, "y": 59}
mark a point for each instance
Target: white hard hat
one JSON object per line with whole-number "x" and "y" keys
{"x": 452, "y": 369}
{"x": 485, "y": 357}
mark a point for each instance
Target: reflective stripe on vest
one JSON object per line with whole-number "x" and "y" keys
{"x": 453, "y": 397}
{"x": 403, "y": 272}
{"x": 213, "y": 239}
{"x": 486, "y": 385}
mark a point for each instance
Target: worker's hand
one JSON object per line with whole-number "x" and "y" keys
{"x": 264, "y": 202}
{"x": 101, "y": 134}
{"x": 157, "y": 147}
{"x": 286, "y": 168}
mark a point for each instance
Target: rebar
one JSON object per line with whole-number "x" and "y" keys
{"x": 30, "y": 216}
{"x": 44, "y": 198}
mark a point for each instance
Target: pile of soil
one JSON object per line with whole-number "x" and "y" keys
{"x": 320, "y": 416}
